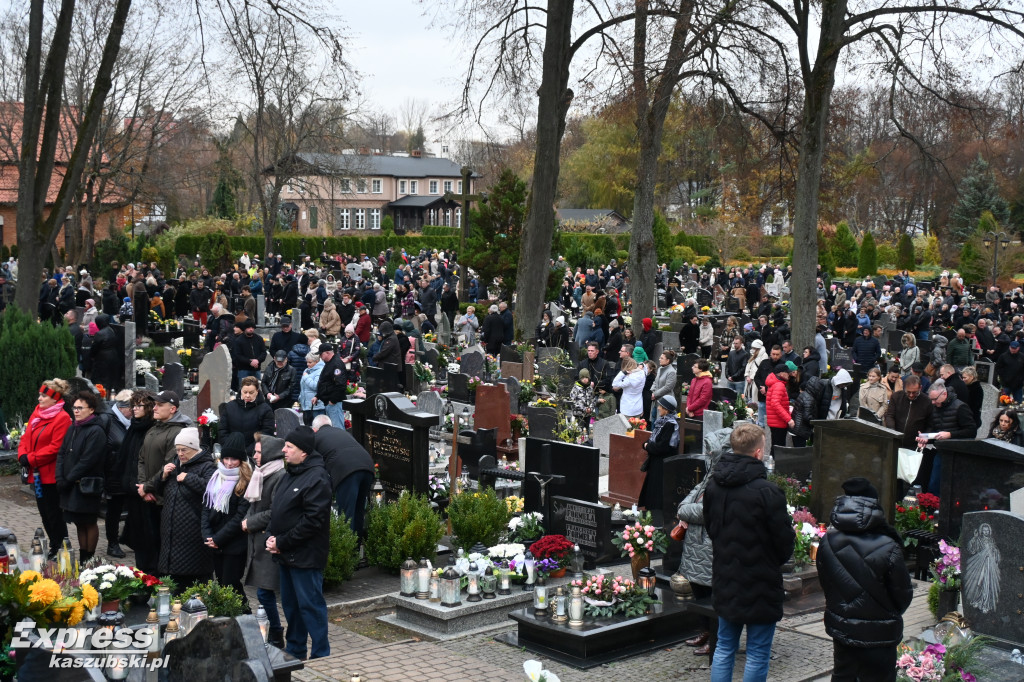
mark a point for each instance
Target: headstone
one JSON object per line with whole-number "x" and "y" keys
{"x": 977, "y": 475}
{"x": 992, "y": 588}
{"x": 476, "y": 444}
{"x": 152, "y": 383}
{"x": 355, "y": 271}
{"x": 578, "y": 463}
{"x": 574, "y": 351}
{"x": 713, "y": 421}
{"x": 841, "y": 358}
{"x": 684, "y": 367}
{"x": 170, "y": 355}
{"x": 128, "y": 338}
{"x": 219, "y": 649}
{"x": 588, "y": 524}
{"x": 513, "y": 386}
{"x": 543, "y": 422}
{"x": 215, "y": 370}
{"x": 626, "y": 456}
{"x": 430, "y": 359}
{"x": 1017, "y": 502}
{"x": 191, "y": 329}
{"x": 985, "y": 373}
{"x": 188, "y": 408}
{"x": 545, "y": 353}
{"x": 382, "y": 379}
{"x": 458, "y": 387}
{"x": 604, "y": 428}
{"x": 430, "y": 401}
{"x": 492, "y": 410}
{"x": 679, "y": 475}
{"x": 512, "y": 369}
{"x": 174, "y": 378}
{"x": 566, "y": 379}
{"x": 472, "y": 363}
{"x": 794, "y": 462}
{"x": 510, "y": 354}
{"x": 852, "y": 447}
{"x": 287, "y": 420}
{"x": 261, "y": 310}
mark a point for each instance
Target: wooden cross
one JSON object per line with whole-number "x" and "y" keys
{"x": 464, "y": 199}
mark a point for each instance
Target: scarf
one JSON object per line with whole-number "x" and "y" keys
{"x": 218, "y": 490}
{"x": 1006, "y": 436}
{"x": 254, "y": 491}
{"x": 47, "y": 413}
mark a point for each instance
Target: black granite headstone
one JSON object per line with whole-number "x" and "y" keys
{"x": 992, "y": 590}
{"x": 472, "y": 363}
{"x": 191, "y": 329}
{"x": 174, "y": 378}
{"x": 458, "y": 387}
{"x": 841, "y": 358}
{"x": 384, "y": 379}
{"x": 578, "y": 463}
{"x": 543, "y": 422}
{"x": 476, "y": 444}
{"x": 588, "y": 524}
{"x": 510, "y": 354}
{"x": 977, "y": 475}
{"x": 684, "y": 367}
{"x": 984, "y": 370}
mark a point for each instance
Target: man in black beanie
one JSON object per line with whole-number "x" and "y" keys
{"x": 866, "y": 584}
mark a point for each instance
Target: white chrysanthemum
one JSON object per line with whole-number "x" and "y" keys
{"x": 110, "y": 577}
{"x": 514, "y": 522}
{"x": 125, "y": 571}
{"x": 105, "y": 586}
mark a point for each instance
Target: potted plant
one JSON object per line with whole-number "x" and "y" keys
{"x": 116, "y": 583}
{"x": 406, "y": 527}
{"x": 556, "y": 548}
{"x": 635, "y": 424}
{"x": 221, "y": 601}
{"x": 639, "y": 540}
{"x": 526, "y": 528}
{"x": 944, "y": 592}
{"x": 479, "y": 516}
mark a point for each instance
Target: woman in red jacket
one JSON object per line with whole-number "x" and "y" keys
{"x": 37, "y": 451}
{"x": 699, "y": 396}
{"x": 777, "y": 404}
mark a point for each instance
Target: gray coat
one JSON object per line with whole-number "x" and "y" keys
{"x": 695, "y": 563}
{"x": 664, "y": 382}
{"x": 263, "y": 572}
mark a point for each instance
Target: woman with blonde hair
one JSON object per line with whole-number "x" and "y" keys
{"x": 911, "y": 353}
{"x": 313, "y": 341}
{"x": 37, "y": 454}
{"x": 873, "y": 395}
{"x": 224, "y": 509}
{"x": 631, "y": 379}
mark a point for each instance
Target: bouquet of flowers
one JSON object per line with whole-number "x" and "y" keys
{"x": 920, "y": 516}
{"x": 733, "y": 411}
{"x": 938, "y": 662}
{"x": 209, "y": 418}
{"x": 118, "y": 582}
{"x": 556, "y": 547}
{"x": 507, "y": 551}
{"x": 545, "y": 402}
{"x": 636, "y": 424}
{"x": 185, "y": 357}
{"x": 641, "y": 538}
{"x": 423, "y": 373}
{"x": 605, "y": 597}
{"x": 515, "y": 504}
{"x": 1005, "y": 399}
{"x": 946, "y": 569}
{"x": 526, "y": 526}
{"x": 808, "y": 534}
{"x": 518, "y": 422}
{"x": 440, "y": 488}
{"x": 473, "y": 383}
{"x": 142, "y": 366}
{"x": 48, "y": 600}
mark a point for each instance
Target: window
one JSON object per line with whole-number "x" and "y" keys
{"x": 446, "y": 217}
{"x": 341, "y": 219}
{"x": 444, "y": 149}
{"x": 458, "y": 217}
{"x": 447, "y": 185}
{"x": 360, "y": 218}
{"x": 401, "y": 187}
{"x": 346, "y": 185}
{"x": 433, "y": 186}
{"x": 361, "y": 186}
{"x": 376, "y": 186}
{"x": 374, "y": 218}
{"x": 460, "y": 187}
{"x": 414, "y": 187}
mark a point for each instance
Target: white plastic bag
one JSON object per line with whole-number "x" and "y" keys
{"x": 909, "y": 463}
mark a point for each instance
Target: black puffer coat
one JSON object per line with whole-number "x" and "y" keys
{"x": 182, "y": 548}
{"x": 953, "y": 416}
{"x": 867, "y": 586}
{"x": 81, "y": 455}
{"x": 746, "y": 519}
{"x": 238, "y": 416}
{"x": 226, "y": 529}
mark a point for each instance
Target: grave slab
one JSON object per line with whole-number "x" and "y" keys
{"x": 992, "y": 592}
{"x": 492, "y": 410}
{"x": 624, "y": 476}
{"x": 977, "y": 475}
{"x": 588, "y": 524}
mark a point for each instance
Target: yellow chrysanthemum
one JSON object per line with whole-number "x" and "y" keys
{"x": 29, "y": 576}
{"x": 90, "y": 597}
{"x": 45, "y": 592}
{"x": 76, "y": 614}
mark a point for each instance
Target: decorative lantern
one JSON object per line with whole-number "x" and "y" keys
{"x": 12, "y": 551}
{"x": 193, "y": 612}
{"x": 163, "y": 602}
{"x": 38, "y": 557}
{"x": 576, "y": 607}
{"x": 812, "y": 551}
{"x": 559, "y": 613}
{"x": 681, "y": 587}
{"x": 263, "y": 622}
{"x": 504, "y": 579}
{"x": 423, "y": 579}
{"x": 176, "y": 612}
{"x": 43, "y": 540}
{"x": 467, "y": 419}
{"x": 488, "y": 583}
{"x": 474, "y": 582}
{"x": 435, "y": 588}
{"x": 153, "y": 627}
{"x": 451, "y": 587}
{"x": 648, "y": 580}
{"x": 407, "y": 579}
{"x": 540, "y": 599}
{"x": 119, "y": 669}
{"x": 531, "y": 572}
{"x": 172, "y": 631}
{"x": 577, "y": 563}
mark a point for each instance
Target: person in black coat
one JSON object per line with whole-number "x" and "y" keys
{"x": 246, "y": 414}
{"x": 866, "y": 584}
{"x": 182, "y": 483}
{"x": 248, "y": 351}
{"x": 127, "y": 462}
{"x": 277, "y": 381}
{"x": 224, "y": 508}
{"x": 286, "y": 339}
{"x": 300, "y": 517}
{"x": 80, "y": 464}
{"x": 105, "y": 358}
{"x": 111, "y": 302}
{"x": 951, "y": 418}
{"x": 350, "y": 467}
{"x": 559, "y": 334}
{"x": 664, "y": 442}
{"x": 492, "y": 332}
{"x": 390, "y": 351}
{"x": 752, "y": 535}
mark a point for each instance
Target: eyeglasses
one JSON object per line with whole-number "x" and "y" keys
{"x": 76, "y": 408}
{"x": 912, "y": 394}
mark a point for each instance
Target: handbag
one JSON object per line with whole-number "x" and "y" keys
{"x": 679, "y": 532}
{"x": 91, "y": 485}
{"x": 908, "y": 464}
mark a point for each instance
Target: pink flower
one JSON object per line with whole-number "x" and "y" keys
{"x": 650, "y": 545}
{"x": 650, "y": 533}
{"x": 625, "y": 535}
{"x": 905, "y": 661}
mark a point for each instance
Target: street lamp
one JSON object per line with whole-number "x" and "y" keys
{"x": 131, "y": 172}
{"x": 995, "y": 238}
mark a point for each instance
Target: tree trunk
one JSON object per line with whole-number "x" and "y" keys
{"x": 554, "y": 98}
{"x": 818, "y": 85}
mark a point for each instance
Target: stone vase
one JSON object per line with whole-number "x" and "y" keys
{"x": 948, "y": 601}
{"x": 639, "y": 560}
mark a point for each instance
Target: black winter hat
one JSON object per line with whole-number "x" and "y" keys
{"x": 233, "y": 446}
{"x": 859, "y": 487}
{"x": 303, "y": 438}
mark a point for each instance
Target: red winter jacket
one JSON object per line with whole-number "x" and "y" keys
{"x": 777, "y": 402}
{"x": 699, "y": 396}
{"x": 363, "y": 327}
{"x": 41, "y": 442}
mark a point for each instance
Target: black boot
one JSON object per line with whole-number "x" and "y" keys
{"x": 276, "y": 637}
{"x": 83, "y": 558}
{"x": 114, "y": 550}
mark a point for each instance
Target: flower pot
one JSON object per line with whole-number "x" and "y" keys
{"x": 560, "y": 573}
{"x": 630, "y": 434}
{"x": 948, "y": 601}
{"x": 639, "y": 560}
{"x": 111, "y": 605}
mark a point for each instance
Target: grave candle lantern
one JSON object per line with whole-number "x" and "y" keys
{"x": 407, "y": 578}
{"x": 474, "y": 583}
{"x": 648, "y": 579}
{"x": 531, "y": 568}
{"x": 435, "y": 588}
{"x": 559, "y": 615}
{"x": 540, "y": 599}
{"x": 193, "y": 612}
{"x": 488, "y": 583}
{"x": 451, "y": 587}
{"x": 504, "y": 579}
{"x": 576, "y": 607}
{"x": 172, "y": 631}
{"x": 163, "y": 601}
{"x": 423, "y": 579}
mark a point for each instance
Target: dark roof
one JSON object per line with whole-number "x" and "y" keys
{"x": 587, "y": 215}
{"x": 417, "y": 201}
{"x": 396, "y": 166}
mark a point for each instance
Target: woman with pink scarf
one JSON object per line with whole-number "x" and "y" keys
{"x": 224, "y": 508}
{"x": 37, "y": 453}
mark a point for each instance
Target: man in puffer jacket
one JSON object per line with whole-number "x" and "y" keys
{"x": 752, "y": 537}
{"x": 866, "y": 584}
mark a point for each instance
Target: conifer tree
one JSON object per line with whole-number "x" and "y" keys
{"x": 978, "y": 193}
{"x": 844, "y": 247}
{"x": 905, "y": 257}
{"x": 867, "y": 263}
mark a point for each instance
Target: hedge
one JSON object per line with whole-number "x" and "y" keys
{"x": 291, "y": 245}
{"x": 440, "y": 231}
{"x": 702, "y": 245}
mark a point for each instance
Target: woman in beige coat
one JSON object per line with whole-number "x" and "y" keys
{"x": 873, "y": 394}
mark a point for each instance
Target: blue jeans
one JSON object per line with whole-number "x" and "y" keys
{"x": 302, "y": 598}
{"x": 243, "y": 373}
{"x": 762, "y": 413}
{"x": 268, "y": 600}
{"x": 738, "y": 386}
{"x": 350, "y": 498}
{"x": 759, "y": 649}
{"x": 935, "y": 480}
{"x": 337, "y": 414}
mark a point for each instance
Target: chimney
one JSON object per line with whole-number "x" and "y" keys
{"x": 416, "y": 153}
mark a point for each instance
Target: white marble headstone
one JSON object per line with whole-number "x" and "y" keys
{"x": 604, "y": 428}
{"x": 1017, "y": 502}
{"x": 216, "y": 368}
